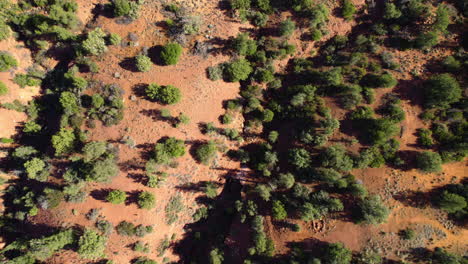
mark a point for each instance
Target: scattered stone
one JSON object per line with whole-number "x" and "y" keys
{"x": 133, "y": 98}
{"x": 117, "y": 75}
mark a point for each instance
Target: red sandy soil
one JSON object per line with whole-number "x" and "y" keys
{"x": 202, "y": 102}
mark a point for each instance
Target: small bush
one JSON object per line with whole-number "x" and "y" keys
{"x": 104, "y": 226}
{"x": 408, "y": 234}
{"x": 24, "y": 80}
{"x": 125, "y": 228}
{"x": 64, "y": 141}
{"x": 116, "y": 197}
{"x": 7, "y": 61}
{"x": 33, "y": 167}
{"x": 226, "y": 118}
{"x": 169, "y": 149}
{"x": 215, "y": 72}
{"x": 441, "y": 90}
{"x": 385, "y": 80}
{"x": 164, "y": 94}
{"x": 170, "y": 53}
{"x": 372, "y": 211}
{"x": 348, "y": 10}
{"x": 451, "y": 202}
{"x": 3, "y": 89}
{"x": 121, "y": 7}
{"x": 5, "y": 31}
{"x": 278, "y": 211}
{"x": 144, "y": 260}
{"x": 95, "y": 44}
{"x": 91, "y": 245}
{"x": 238, "y": 70}
{"x": 428, "y": 162}
{"x": 146, "y": 200}
{"x": 240, "y": 4}
{"x": 206, "y": 152}
{"x": 287, "y": 27}
{"x": 115, "y": 39}
{"x": 143, "y": 63}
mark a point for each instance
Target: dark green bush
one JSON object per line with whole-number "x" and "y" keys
{"x": 240, "y": 4}
{"x": 238, "y": 70}
{"x": 116, "y": 197}
{"x": 146, "y": 200}
{"x": 95, "y": 43}
{"x": 91, "y": 245}
{"x": 385, "y": 80}
{"x": 169, "y": 149}
{"x": 300, "y": 158}
{"x": 170, "y": 53}
{"x": 7, "y": 61}
{"x": 428, "y": 162}
{"x": 3, "y": 89}
{"x": 286, "y": 27}
{"x": 206, "y": 152}
{"x": 143, "y": 63}
{"x": 348, "y": 10}
{"x": 164, "y": 94}
{"x": 125, "y": 228}
{"x": 243, "y": 45}
{"x": 371, "y": 211}
{"x": 441, "y": 91}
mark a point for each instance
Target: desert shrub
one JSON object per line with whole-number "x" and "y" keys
{"x": 451, "y": 202}
{"x": 226, "y": 118}
{"x": 206, "y": 152}
{"x": 146, "y": 200}
{"x": 170, "y": 53}
{"x": 286, "y": 27}
{"x": 114, "y": 39}
{"x": 238, "y": 70}
{"x": 425, "y": 137}
{"x": 316, "y": 34}
{"x": 285, "y": 180}
{"x": 33, "y": 168}
{"x": 64, "y": 141}
{"x": 273, "y": 136}
{"x": 169, "y": 149}
{"x": 24, "y": 80}
{"x": 3, "y": 89}
{"x": 91, "y": 245}
{"x": 143, "y": 63}
{"x": 31, "y": 127}
{"x": 7, "y": 61}
{"x": 5, "y": 31}
{"x": 441, "y": 91}
{"x": 141, "y": 247}
{"x": 371, "y": 210}
{"x": 141, "y": 230}
{"x": 451, "y": 64}
{"x": 240, "y": 4}
{"x": 44, "y": 247}
{"x": 243, "y": 45}
{"x": 385, "y": 80}
{"x": 442, "y": 19}
{"x": 378, "y": 131}
{"x": 69, "y": 103}
{"x": 368, "y": 256}
{"x": 215, "y": 72}
{"x": 164, "y": 94}
{"x": 335, "y": 157}
{"x": 216, "y": 255}
{"x": 428, "y": 162}
{"x": 441, "y": 256}
{"x": 103, "y": 170}
{"x": 94, "y": 150}
{"x": 300, "y": 158}
{"x": 348, "y": 10}
{"x": 277, "y": 210}
{"x": 121, "y": 7}
{"x": 318, "y": 14}
{"x": 95, "y": 43}
{"x": 116, "y": 196}
{"x": 391, "y": 11}
{"x": 264, "y": 75}
{"x": 426, "y": 40}
{"x": 258, "y": 19}
{"x": 408, "y": 234}
{"x": 125, "y": 228}
{"x": 337, "y": 253}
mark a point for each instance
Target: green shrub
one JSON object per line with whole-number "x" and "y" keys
{"x": 69, "y": 103}
{"x": 451, "y": 202}
{"x": 451, "y": 64}
{"x": 391, "y": 11}
{"x": 337, "y": 253}
{"x": 442, "y": 18}
{"x": 206, "y": 152}
{"x": 94, "y": 150}
{"x": 91, "y": 245}
{"x": 121, "y": 7}
{"x": 64, "y": 141}
{"x": 125, "y": 228}
{"x": 371, "y": 210}
{"x": 3, "y": 89}
{"x": 31, "y": 127}
{"x": 277, "y": 210}
{"x": 286, "y": 27}
{"x": 33, "y": 167}
{"x": 170, "y": 53}
{"x": 144, "y": 260}
{"x": 408, "y": 234}
{"x": 226, "y": 118}
{"x": 114, "y": 39}
{"x": 146, "y": 200}
{"x": 104, "y": 226}
{"x": 143, "y": 63}
{"x": 24, "y": 80}
{"x": 240, "y": 4}
{"x": 215, "y": 72}
{"x": 300, "y": 158}
{"x": 5, "y": 31}
{"x": 116, "y": 196}
{"x": 7, "y": 61}
{"x": 95, "y": 43}
{"x": 103, "y": 170}
{"x": 169, "y": 149}
{"x": 385, "y": 80}
{"x": 425, "y": 137}
{"x": 428, "y": 162}
{"x": 348, "y": 10}
{"x": 244, "y": 45}
{"x": 441, "y": 91}
{"x": 426, "y": 40}
{"x": 316, "y": 34}
{"x": 164, "y": 94}
{"x": 238, "y": 70}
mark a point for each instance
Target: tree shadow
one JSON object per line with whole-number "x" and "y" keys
{"x": 156, "y": 115}
{"x": 129, "y": 64}
{"x": 132, "y": 197}
{"x": 139, "y": 90}
{"x": 413, "y": 198}
{"x": 137, "y": 177}
{"x": 154, "y": 53}
{"x": 100, "y": 194}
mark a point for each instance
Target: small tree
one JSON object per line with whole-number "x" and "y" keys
{"x": 348, "y": 10}
{"x": 3, "y": 89}
{"x": 216, "y": 256}
{"x": 238, "y": 70}
{"x": 285, "y": 180}
{"x": 206, "y": 152}
{"x": 116, "y": 197}
{"x": 94, "y": 150}
{"x": 143, "y": 63}
{"x": 121, "y": 7}
{"x": 146, "y": 200}
{"x": 287, "y": 27}
{"x": 428, "y": 162}
{"x": 91, "y": 245}
{"x": 169, "y": 149}
{"x": 278, "y": 211}
{"x": 64, "y": 141}
{"x": 371, "y": 210}
{"x": 114, "y": 39}
{"x": 95, "y": 43}
{"x": 299, "y": 157}
{"x": 391, "y": 11}
{"x": 7, "y": 61}
{"x": 451, "y": 202}
{"x": 337, "y": 253}
{"x": 240, "y": 4}
{"x": 33, "y": 167}
{"x": 441, "y": 91}
{"x": 164, "y": 94}
{"x": 170, "y": 53}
